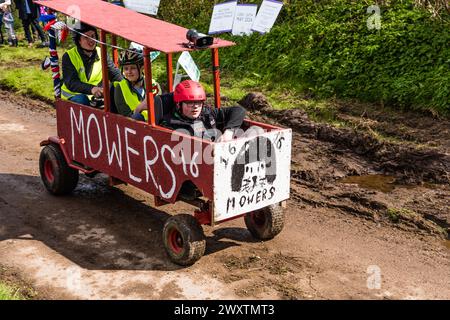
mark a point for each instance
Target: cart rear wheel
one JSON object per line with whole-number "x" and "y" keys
{"x": 265, "y": 223}
{"x": 57, "y": 176}
{"x": 184, "y": 239}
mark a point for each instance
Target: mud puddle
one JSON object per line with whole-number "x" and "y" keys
{"x": 379, "y": 182}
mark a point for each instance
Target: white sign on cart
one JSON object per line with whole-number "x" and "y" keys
{"x": 251, "y": 173}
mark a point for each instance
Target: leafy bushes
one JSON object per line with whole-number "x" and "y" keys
{"x": 325, "y": 48}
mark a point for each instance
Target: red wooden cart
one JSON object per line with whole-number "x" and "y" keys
{"x": 231, "y": 182}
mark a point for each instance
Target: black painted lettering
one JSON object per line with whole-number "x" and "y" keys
{"x": 242, "y": 201}
{"x": 264, "y": 193}
{"x": 250, "y": 199}
{"x": 258, "y": 196}
{"x": 272, "y": 192}
{"x": 232, "y": 202}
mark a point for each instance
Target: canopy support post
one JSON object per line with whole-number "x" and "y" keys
{"x": 148, "y": 87}
{"x": 216, "y": 74}
{"x": 169, "y": 68}
{"x": 115, "y": 52}
{"x": 105, "y": 71}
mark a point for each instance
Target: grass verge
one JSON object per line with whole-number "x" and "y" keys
{"x": 8, "y": 292}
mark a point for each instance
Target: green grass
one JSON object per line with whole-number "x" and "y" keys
{"x": 29, "y": 81}
{"x": 20, "y": 71}
{"x": 8, "y": 292}
{"x": 21, "y": 54}
{"x": 324, "y": 49}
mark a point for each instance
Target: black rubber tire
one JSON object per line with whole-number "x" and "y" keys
{"x": 184, "y": 239}
{"x": 265, "y": 223}
{"x": 57, "y": 176}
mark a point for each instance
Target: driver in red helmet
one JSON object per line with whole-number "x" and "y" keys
{"x": 189, "y": 113}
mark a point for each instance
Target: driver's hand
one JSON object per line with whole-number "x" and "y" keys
{"x": 141, "y": 106}
{"x": 97, "y": 92}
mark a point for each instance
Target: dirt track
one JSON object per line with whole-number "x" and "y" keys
{"x": 105, "y": 243}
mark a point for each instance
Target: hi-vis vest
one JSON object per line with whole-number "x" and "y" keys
{"x": 131, "y": 98}
{"x": 96, "y": 74}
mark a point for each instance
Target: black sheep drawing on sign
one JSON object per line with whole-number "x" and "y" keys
{"x": 255, "y": 166}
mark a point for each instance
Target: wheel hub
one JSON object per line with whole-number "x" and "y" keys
{"x": 175, "y": 241}
{"x": 48, "y": 171}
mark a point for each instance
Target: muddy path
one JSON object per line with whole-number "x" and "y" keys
{"x": 105, "y": 243}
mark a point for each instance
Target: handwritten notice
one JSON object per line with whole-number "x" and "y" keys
{"x": 222, "y": 17}
{"x": 244, "y": 18}
{"x": 267, "y": 15}
{"x": 143, "y": 6}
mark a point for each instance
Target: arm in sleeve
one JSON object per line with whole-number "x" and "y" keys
{"x": 71, "y": 79}
{"x": 114, "y": 73}
{"x": 121, "y": 105}
{"x": 229, "y": 118}
{"x": 167, "y": 101}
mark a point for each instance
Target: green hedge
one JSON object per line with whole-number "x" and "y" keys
{"x": 324, "y": 48}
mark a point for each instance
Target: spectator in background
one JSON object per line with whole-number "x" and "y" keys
{"x": 1, "y": 22}
{"x": 28, "y": 13}
{"x": 8, "y": 20}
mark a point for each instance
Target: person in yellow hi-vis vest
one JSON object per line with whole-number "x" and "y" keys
{"x": 130, "y": 92}
{"x": 82, "y": 67}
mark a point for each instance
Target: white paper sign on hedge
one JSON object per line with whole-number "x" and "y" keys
{"x": 143, "y": 6}
{"x": 244, "y": 18}
{"x": 222, "y": 17}
{"x": 267, "y": 15}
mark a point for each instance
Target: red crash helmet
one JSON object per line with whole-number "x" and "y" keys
{"x": 189, "y": 90}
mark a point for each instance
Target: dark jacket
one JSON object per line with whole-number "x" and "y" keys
{"x": 20, "y": 5}
{"x": 70, "y": 74}
{"x": 210, "y": 118}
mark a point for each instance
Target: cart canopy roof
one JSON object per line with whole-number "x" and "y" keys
{"x": 128, "y": 24}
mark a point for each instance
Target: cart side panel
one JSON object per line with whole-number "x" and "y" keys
{"x": 251, "y": 173}
{"x": 151, "y": 159}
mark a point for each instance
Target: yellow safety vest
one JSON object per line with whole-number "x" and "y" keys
{"x": 131, "y": 98}
{"x": 96, "y": 74}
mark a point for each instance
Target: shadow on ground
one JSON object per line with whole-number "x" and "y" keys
{"x": 97, "y": 227}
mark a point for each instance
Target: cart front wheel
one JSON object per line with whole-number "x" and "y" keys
{"x": 57, "y": 176}
{"x": 184, "y": 239}
{"x": 265, "y": 223}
